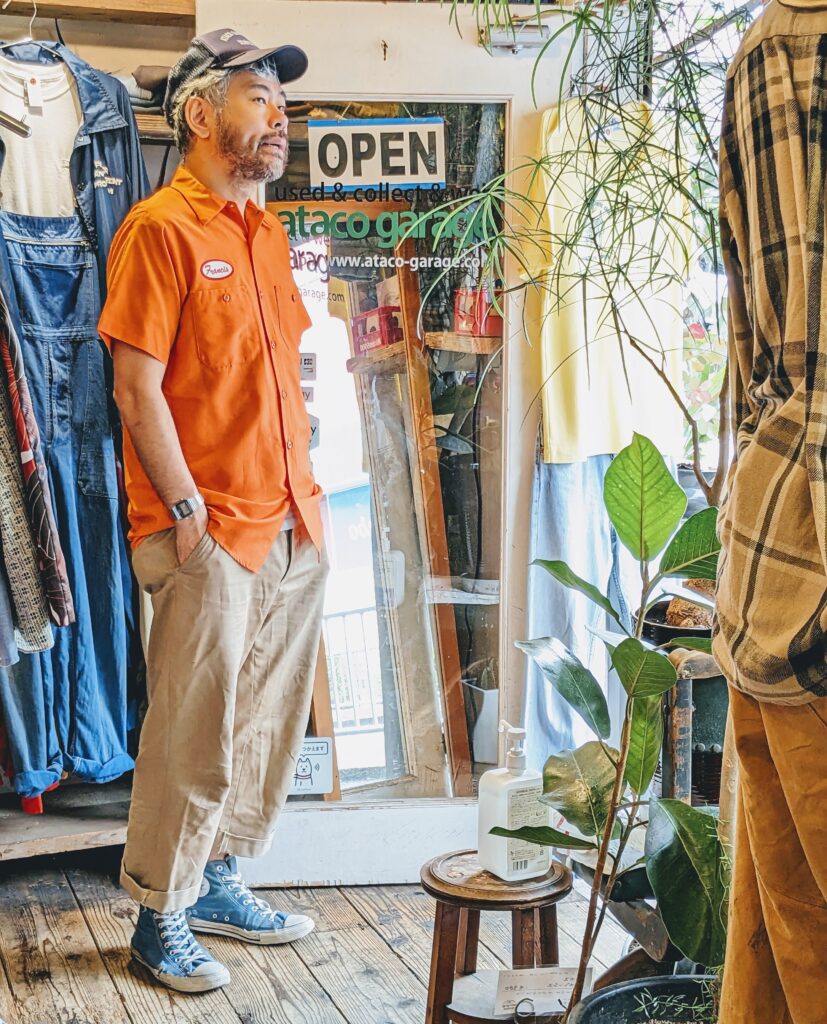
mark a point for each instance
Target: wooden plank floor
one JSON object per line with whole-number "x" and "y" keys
{"x": 65, "y": 927}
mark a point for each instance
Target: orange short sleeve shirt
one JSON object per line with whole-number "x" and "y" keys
{"x": 207, "y": 290}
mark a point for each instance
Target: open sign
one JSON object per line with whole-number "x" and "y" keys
{"x": 366, "y": 153}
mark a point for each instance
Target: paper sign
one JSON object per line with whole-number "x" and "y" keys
{"x": 314, "y": 432}
{"x": 308, "y": 365}
{"x": 314, "y": 767}
{"x": 549, "y": 988}
{"x": 307, "y": 394}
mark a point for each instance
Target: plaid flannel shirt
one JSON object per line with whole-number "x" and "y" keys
{"x": 771, "y": 628}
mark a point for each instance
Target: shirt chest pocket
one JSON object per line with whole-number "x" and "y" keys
{"x": 225, "y": 326}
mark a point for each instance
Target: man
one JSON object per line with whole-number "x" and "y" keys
{"x": 772, "y": 591}
{"x": 204, "y": 324}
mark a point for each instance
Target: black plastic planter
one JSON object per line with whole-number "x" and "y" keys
{"x": 679, "y": 999}
{"x": 656, "y": 629}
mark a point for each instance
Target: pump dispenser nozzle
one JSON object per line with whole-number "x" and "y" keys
{"x": 515, "y": 758}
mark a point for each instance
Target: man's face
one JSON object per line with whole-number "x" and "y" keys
{"x": 251, "y": 130}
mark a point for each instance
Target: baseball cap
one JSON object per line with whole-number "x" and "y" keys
{"x": 226, "y": 48}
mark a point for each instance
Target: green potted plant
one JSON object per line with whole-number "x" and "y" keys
{"x": 601, "y": 790}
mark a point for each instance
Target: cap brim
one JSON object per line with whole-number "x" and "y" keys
{"x": 291, "y": 61}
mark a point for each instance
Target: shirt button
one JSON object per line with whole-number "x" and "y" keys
{"x": 225, "y": 298}
{"x": 289, "y": 444}
{"x": 283, "y": 393}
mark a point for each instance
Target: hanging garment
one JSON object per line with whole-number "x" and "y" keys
{"x": 33, "y": 177}
{"x": 105, "y": 167}
{"x": 54, "y": 272}
{"x": 588, "y": 406}
{"x": 68, "y": 711}
{"x": 30, "y": 615}
{"x": 569, "y": 523}
{"x": 51, "y": 562}
{"x": 8, "y": 644}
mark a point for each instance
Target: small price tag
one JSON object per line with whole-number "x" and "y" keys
{"x": 549, "y": 988}
{"x": 308, "y": 365}
{"x": 314, "y": 432}
{"x": 34, "y": 92}
{"x": 307, "y": 394}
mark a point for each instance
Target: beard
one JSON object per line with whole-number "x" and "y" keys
{"x": 247, "y": 160}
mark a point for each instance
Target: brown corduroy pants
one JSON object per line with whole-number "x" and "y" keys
{"x": 776, "y": 960}
{"x": 230, "y": 666}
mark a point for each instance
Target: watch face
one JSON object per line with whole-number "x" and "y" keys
{"x": 182, "y": 509}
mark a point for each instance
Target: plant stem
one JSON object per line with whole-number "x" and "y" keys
{"x": 589, "y": 934}
{"x": 592, "y": 928}
{"x": 607, "y": 893}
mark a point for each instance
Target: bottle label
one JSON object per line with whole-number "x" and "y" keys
{"x": 525, "y": 808}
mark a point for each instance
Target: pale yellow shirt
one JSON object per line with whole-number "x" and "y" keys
{"x": 590, "y": 406}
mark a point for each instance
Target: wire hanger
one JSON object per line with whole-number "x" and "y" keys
{"x": 28, "y": 37}
{"x": 6, "y": 120}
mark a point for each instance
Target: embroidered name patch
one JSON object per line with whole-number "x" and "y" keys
{"x": 215, "y": 270}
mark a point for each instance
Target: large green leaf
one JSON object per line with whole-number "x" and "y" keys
{"x": 572, "y": 680}
{"x": 692, "y": 643}
{"x": 563, "y": 574}
{"x": 686, "y": 865}
{"x": 644, "y": 503}
{"x": 645, "y": 741}
{"x": 644, "y": 673}
{"x": 545, "y": 836}
{"x": 693, "y": 552}
{"x": 578, "y": 784}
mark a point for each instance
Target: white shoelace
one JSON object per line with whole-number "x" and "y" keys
{"x": 237, "y": 887}
{"x": 179, "y": 940}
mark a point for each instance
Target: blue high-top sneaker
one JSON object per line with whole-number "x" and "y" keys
{"x": 164, "y": 944}
{"x": 227, "y": 907}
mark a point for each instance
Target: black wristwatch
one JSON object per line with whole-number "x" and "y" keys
{"x": 186, "y": 507}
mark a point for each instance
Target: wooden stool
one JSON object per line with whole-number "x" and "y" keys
{"x": 462, "y": 889}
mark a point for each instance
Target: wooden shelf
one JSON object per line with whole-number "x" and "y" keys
{"x": 76, "y": 818}
{"x": 388, "y": 359}
{"x": 153, "y": 127}
{"x": 135, "y": 12}
{"x": 446, "y": 341}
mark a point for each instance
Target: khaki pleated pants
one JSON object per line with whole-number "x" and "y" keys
{"x": 776, "y": 960}
{"x": 231, "y": 662}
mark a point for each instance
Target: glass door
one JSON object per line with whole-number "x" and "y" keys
{"x": 403, "y": 381}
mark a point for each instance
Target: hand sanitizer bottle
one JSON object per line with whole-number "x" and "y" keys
{"x": 510, "y": 798}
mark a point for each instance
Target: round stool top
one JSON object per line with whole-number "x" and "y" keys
{"x": 458, "y": 878}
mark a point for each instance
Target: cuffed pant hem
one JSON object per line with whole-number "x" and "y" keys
{"x": 242, "y": 846}
{"x": 34, "y": 783}
{"x": 97, "y": 771}
{"x": 163, "y": 902}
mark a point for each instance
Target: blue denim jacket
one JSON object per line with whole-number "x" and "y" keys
{"x": 107, "y": 169}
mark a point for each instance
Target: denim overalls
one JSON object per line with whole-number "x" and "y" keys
{"x": 66, "y": 709}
